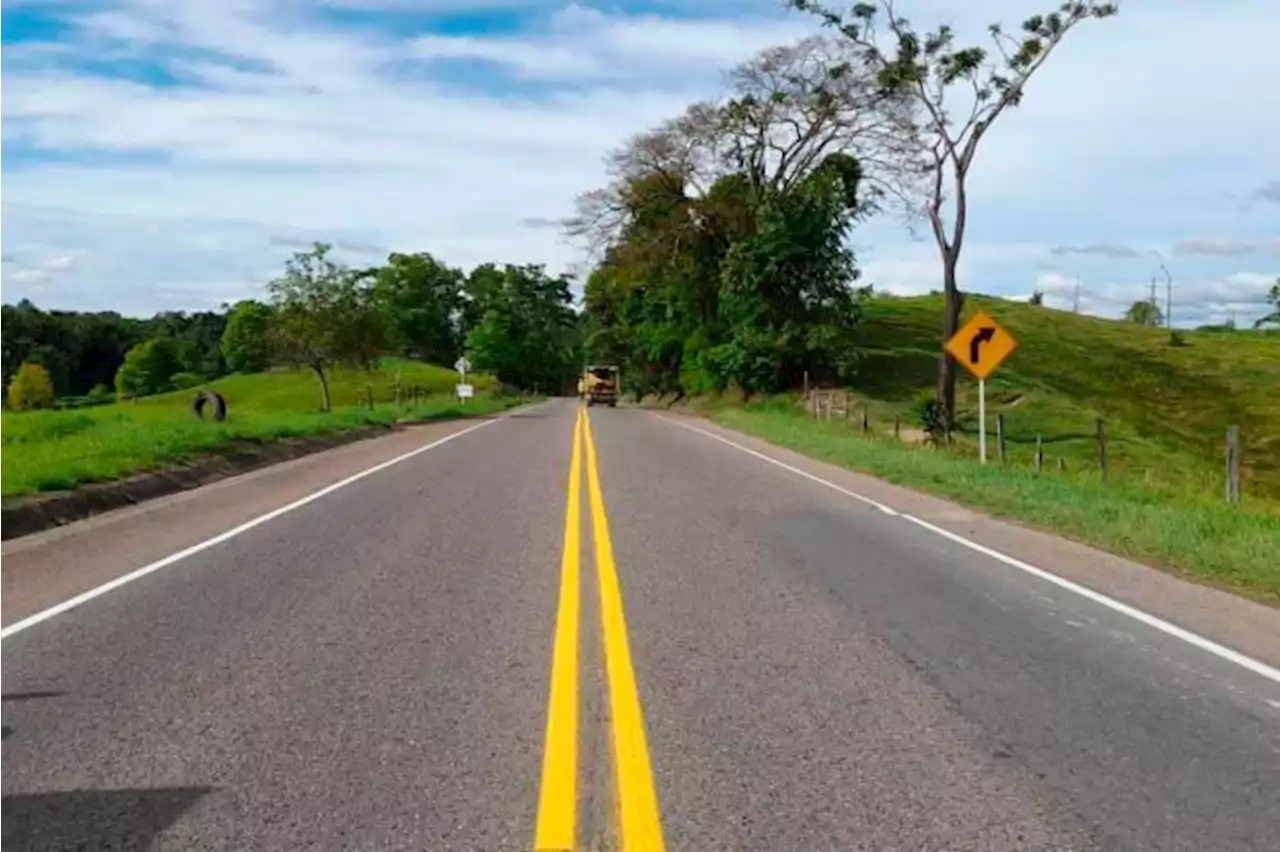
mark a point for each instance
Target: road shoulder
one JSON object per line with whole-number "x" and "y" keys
{"x": 1249, "y": 627}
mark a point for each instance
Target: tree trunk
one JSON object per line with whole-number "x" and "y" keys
{"x": 946, "y": 390}
{"x": 326, "y": 401}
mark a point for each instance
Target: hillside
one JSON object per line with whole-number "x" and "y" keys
{"x": 49, "y": 450}
{"x": 1166, "y": 407}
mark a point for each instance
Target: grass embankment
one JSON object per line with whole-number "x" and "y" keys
{"x": 55, "y": 450}
{"x": 1166, "y": 409}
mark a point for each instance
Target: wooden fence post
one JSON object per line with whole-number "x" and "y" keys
{"x": 1102, "y": 449}
{"x": 847, "y": 403}
{"x": 897, "y": 428}
{"x": 866, "y": 421}
{"x": 1233, "y": 465}
{"x": 1000, "y": 437}
{"x": 1062, "y": 465}
{"x": 1039, "y": 454}
{"x": 368, "y": 395}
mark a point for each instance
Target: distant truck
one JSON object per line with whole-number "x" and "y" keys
{"x": 599, "y": 385}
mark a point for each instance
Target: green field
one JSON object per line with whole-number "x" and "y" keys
{"x": 54, "y": 450}
{"x": 1166, "y": 410}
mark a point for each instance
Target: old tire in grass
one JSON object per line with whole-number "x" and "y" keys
{"x": 213, "y": 401}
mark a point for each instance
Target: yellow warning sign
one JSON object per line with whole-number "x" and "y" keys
{"x": 981, "y": 345}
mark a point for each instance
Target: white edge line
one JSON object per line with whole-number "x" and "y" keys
{"x": 123, "y": 579}
{"x": 1244, "y": 661}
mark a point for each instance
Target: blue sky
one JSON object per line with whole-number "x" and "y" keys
{"x": 169, "y": 154}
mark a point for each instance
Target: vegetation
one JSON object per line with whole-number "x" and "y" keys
{"x": 1273, "y": 297}
{"x": 49, "y": 450}
{"x": 1145, "y": 312}
{"x": 932, "y": 141}
{"x": 31, "y": 388}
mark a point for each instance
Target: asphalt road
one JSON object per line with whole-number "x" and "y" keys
{"x": 761, "y": 663}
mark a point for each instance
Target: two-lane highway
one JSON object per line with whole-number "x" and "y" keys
{"x": 607, "y": 629}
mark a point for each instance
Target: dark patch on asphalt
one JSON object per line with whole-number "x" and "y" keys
{"x": 94, "y": 819}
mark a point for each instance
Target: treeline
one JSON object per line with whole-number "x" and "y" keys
{"x": 516, "y": 322}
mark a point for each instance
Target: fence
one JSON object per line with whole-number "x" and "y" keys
{"x": 841, "y": 406}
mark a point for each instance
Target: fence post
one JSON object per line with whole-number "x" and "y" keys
{"x": 1102, "y": 449}
{"x": 866, "y": 422}
{"x": 1000, "y": 437}
{"x": 847, "y": 403}
{"x": 1039, "y": 454}
{"x": 368, "y": 395}
{"x": 1233, "y": 465}
{"x": 897, "y": 428}
{"x": 1062, "y": 465}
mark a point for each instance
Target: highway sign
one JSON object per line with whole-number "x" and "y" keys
{"x": 462, "y": 365}
{"x": 466, "y": 391}
{"x": 981, "y": 345}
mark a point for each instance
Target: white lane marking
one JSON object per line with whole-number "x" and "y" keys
{"x": 1221, "y": 651}
{"x": 123, "y": 579}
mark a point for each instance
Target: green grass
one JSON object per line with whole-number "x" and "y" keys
{"x": 1166, "y": 407}
{"x": 54, "y": 450}
{"x": 1198, "y": 537}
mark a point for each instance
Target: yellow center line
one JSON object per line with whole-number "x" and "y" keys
{"x": 640, "y": 825}
{"x": 558, "y": 795}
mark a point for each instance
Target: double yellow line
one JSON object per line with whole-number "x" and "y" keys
{"x": 640, "y": 828}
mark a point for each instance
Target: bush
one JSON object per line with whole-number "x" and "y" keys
{"x": 99, "y": 394}
{"x": 930, "y": 414}
{"x": 184, "y": 381}
{"x": 147, "y": 368}
{"x": 31, "y": 388}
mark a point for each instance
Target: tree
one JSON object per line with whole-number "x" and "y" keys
{"x": 527, "y": 333}
{"x": 147, "y": 368}
{"x": 246, "y": 339}
{"x": 325, "y": 315}
{"x": 423, "y": 299}
{"x": 31, "y": 387}
{"x": 1273, "y": 297}
{"x": 940, "y": 144}
{"x": 1144, "y": 312}
{"x": 1037, "y": 298}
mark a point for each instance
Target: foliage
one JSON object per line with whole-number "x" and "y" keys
{"x": 1273, "y": 298}
{"x": 423, "y": 299}
{"x": 526, "y": 332}
{"x": 929, "y": 414}
{"x": 31, "y": 387}
{"x": 325, "y": 316}
{"x": 187, "y": 380}
{"x": 245, "y": 343}
{"x": 936, "y": 142}
{"x": 148, "y": 368}
{"x": 1144, "y": 312}
{"x": 1037, "y": 298}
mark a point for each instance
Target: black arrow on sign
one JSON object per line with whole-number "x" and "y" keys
{"x": 984, "y": 335}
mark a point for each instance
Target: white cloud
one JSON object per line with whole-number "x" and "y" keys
{"x": 361, "y": 138}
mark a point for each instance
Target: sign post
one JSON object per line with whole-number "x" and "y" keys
{"x": 981, "y": 345}
{"x": 464, "y": 390}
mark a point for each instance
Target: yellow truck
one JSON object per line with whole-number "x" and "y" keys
{"x": 599, "y": 384}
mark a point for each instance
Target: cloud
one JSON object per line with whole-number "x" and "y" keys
{"x": 1225, "y": 247}
{"x": 1269, "y": 191}
{"x": 186, "y": 148}
{"x": 1098, "y": 249}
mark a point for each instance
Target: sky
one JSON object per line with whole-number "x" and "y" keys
{"x": 171, "y": 154}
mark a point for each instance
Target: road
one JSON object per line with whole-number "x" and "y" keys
{"x": 742, "y": 658}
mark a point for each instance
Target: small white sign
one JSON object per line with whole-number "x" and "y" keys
{"x": 466, "y": 391}
{"x": 462, "y": 365}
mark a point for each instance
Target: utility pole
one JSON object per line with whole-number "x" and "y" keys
{"x": 1075, "y": 299}
{"x": 1153, "y": 292}
{"x": 1168, "y": 297}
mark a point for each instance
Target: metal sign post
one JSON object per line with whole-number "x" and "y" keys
{"x": 981, "y": 345}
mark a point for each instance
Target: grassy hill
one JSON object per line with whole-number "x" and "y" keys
{"x": 1166, "y": 407}
{"x": 51, "y": 450}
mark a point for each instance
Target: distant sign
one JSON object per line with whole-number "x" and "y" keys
{"x": 462, "y": 365}
{"x": 466, "y": 391}
{"x": 981, "y": 345}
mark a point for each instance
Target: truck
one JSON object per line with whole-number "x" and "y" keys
{"x": 600, "y": 385}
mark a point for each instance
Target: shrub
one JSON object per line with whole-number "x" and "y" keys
{"x": 185, "y": 380}
{"x": 31, "y": 388}
{"x": 930, "y": 414}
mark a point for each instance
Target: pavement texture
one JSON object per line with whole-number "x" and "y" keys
{"x": 371, "y": 670}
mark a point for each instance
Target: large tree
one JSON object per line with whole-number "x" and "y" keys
{"x": 246, "y": 340}
{"x": 423, "y": 300}
{"x": 1273, "y": 298}
{"x": 526, "y": 332}
{"x": 325, "y": 315}
{"x": 955, "y": 94}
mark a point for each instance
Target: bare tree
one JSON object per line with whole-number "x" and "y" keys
{"x": 784, "y": 111}
{"x": 943, "y": 139}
